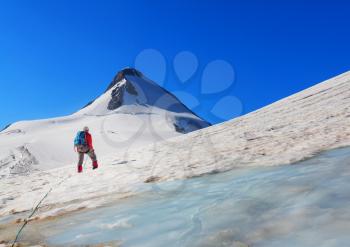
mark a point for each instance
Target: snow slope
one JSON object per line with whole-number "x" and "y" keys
{"x": 132, "y": 112}
{"x": 284, "y": 132}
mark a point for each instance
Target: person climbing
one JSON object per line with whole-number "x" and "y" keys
{"x": 83, "y": 145}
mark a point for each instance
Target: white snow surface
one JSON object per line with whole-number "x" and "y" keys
{"x": 284, "y": 132}
{"x": 141, "y": 119}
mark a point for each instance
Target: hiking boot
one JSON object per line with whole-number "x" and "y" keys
{"x": 80, "y": 168}
{"x": 94, "y": 165}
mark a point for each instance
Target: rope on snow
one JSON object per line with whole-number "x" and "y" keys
{"x": 36, "y": 208}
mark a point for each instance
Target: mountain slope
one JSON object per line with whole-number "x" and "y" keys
{"x": 133, "y": 111}
{"x": 284, "y": 132}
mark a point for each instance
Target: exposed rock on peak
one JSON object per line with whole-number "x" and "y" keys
{"x": 118, "y": 94}
{"x": 121, "y": 75}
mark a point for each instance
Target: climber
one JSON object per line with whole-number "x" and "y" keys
{"x": 83, "y": 145}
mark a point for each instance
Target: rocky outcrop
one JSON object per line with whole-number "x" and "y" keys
{"x": 118, "y": 94}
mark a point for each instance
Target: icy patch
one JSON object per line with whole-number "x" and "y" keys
{"x": 307, "y": 204}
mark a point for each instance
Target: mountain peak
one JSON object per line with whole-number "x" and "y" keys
{"x": 122, "y": 74}
{"x": 130, "y": 92}
{"x": 131, "y": 87}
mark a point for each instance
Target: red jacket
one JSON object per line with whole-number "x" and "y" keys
{"x": 88, "y": 139}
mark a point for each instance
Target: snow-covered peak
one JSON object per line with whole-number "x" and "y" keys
{"x": 130, "y": 90}
{"x": 132, "y": 112}
{"x": 122, "y": 75}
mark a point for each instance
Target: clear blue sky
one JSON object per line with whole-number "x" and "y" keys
{"x": 55, "y": 56}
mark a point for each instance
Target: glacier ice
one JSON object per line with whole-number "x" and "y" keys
{"x": 306, "y": 204}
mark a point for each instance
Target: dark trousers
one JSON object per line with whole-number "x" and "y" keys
{"x": 90, "y": 153}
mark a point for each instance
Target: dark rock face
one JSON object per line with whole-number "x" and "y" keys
{"x": 130, "y": 88}
{"x": 130, "y": 80}
{"x": 179, "y": 129}
{"x": 118, "y": 95}
{"x": 117, "y": 99}
{"x": 121, "y": 75}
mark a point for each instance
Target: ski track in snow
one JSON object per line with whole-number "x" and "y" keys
{"x": 284, "y": 132}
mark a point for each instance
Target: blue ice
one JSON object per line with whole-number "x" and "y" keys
{"x": 306, "y": 204}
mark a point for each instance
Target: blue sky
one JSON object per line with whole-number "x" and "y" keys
{"x": 55, "y": 56}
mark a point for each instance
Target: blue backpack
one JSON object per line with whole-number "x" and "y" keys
{"x": 80, "y": 139}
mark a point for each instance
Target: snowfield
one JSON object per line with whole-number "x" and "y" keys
{"x": 132, "y": 112}
{"x": 284, "y": 132}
